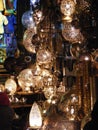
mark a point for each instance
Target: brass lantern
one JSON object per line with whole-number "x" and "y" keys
{"x": 67, "y": 8}
{"x": 35, "y": 117}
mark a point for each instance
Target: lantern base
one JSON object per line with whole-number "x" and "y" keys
{"x": 31, "y": 128}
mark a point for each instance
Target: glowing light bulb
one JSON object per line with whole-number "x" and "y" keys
{"x": 35, "y": 117}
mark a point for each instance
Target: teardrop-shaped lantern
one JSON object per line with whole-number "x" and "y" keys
{"x": 35, "y": 117}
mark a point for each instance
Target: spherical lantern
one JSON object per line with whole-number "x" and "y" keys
{"x": 44, "y": 56}
{"x": 10, "y": 85}
{"x": 67, "y": 8}
{"x": 25, "y": 79}
{"x": 27, "y": 40}
{"x": 72, "y": 34}
{"x": 27, "y": 19}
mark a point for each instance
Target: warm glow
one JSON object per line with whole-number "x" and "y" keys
{"x": 25, "y": 79}
{"x": 10, "y": 85}
{"x": 49, "y": 92}
{"x": 35, "y": 118}
{"x": 44, "y": 56}
{"x": 72, "y": 34}
{"x": 67, "y": 8}
{"x": 2, "y": 88}
{"x": 27, "y": 40}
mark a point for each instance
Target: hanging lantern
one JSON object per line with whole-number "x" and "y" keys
{"x": 25, "y": 79}
{"x": 27, "y": 19}
{"x": 72, "y": 34}
{"x": 27, "y": 40}
{"x": 44, "y": 56}
{"x": 10, "y": 85}
{"x": 35, "y": 117}
{"x": 67, "y": 8}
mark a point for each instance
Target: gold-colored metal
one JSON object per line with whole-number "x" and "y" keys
{"x": 86, "y": 94}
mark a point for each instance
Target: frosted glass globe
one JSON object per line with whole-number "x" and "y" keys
{"x": 27, "y": 20}
{"x": 67, "y": 7}
{"x": 25, "y": 79}
{"x": 44, "y": 56}
{"x": 27, "y": 40}
{"x": 10, "y": 85}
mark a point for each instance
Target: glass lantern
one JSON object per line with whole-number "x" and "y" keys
{"x": 44, "y": 56}
{"x": 27, "y": 19}
{"x": 35, "y": 117}
{"x": 10, "y": 85}
{"x": 67, "y": 8}
{"x": 27, "y": 40}
{"x": 72, "y": 34}
{"x": 25, "y": 80}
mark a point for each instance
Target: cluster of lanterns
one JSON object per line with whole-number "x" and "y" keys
{"x": 41, "y": 76}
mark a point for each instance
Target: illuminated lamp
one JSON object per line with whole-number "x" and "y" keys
{"x": 35, "y": 117}
{"x": 10, "y": 85}
{"x": 67, "y": 8}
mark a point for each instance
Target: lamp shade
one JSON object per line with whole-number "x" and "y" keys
{"x": 35, "y": 118}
